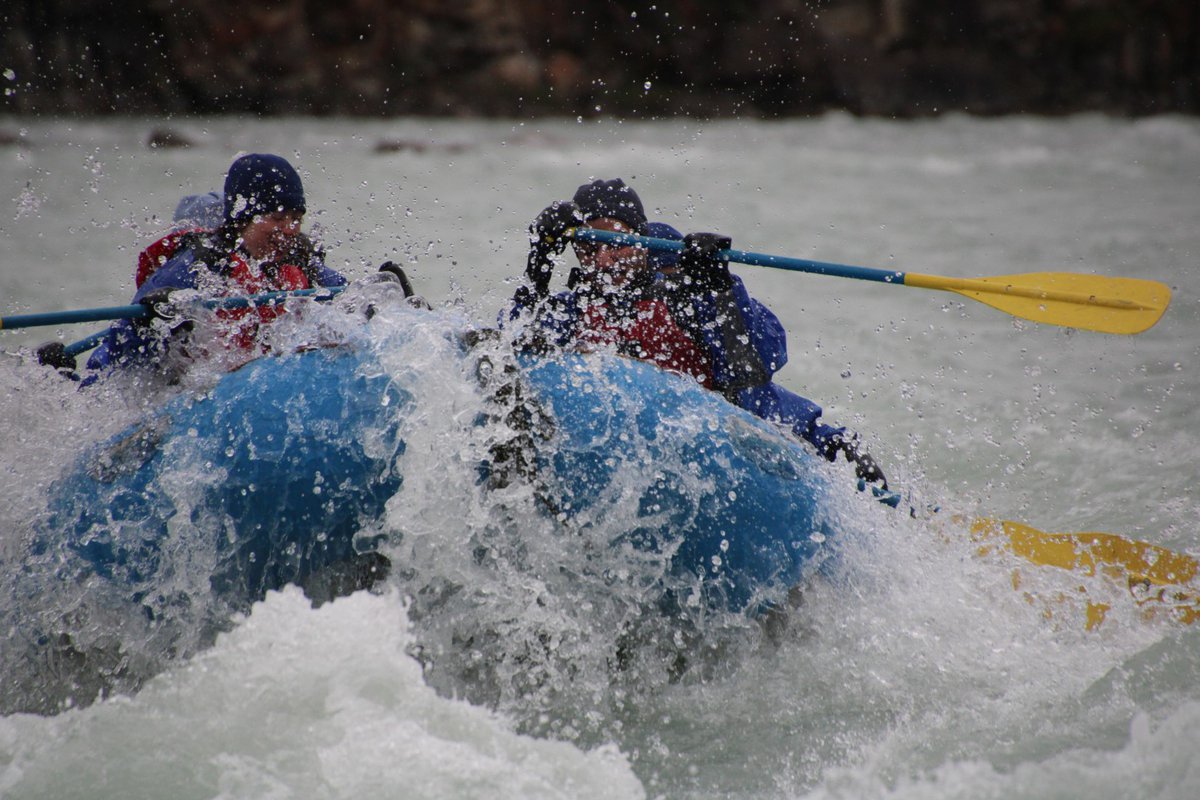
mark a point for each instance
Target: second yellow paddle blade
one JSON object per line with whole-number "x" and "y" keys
{"x": 1069, "y": 299}
{"x": 1157, "y": 578}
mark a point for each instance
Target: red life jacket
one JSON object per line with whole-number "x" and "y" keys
{"x": 159, "y": 253}
{"x": 651, "y": 334}
{"x": 242, "y": 279}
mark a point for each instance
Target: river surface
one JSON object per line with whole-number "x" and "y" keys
{"x": 926, "y": 676}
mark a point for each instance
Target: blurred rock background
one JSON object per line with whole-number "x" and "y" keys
{"x": 757, "y": 58}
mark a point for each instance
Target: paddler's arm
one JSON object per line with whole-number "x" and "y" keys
{"x": 548, "y": 238}
{"x": 745, "y": 341}
{"x": 555, "y": 318}
{"x": 776, "y": 404}
{"x": 130, "y": 342}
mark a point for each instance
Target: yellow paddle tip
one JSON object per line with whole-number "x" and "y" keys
{"x": 1071, "y": 300}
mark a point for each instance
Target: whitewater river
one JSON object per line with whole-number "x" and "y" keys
{"x": 926, "y": 676}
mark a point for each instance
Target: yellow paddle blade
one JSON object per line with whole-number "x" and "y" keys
{"x": 1073, "y": 300}
{"x": 1157, "y": 578}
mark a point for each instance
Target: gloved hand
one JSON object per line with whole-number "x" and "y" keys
{"x": 548, "y": 233}
{"x": 864, "y": 466}
{"x": 158, "y": 303}
{"x": 547, "y": 238}
{"x": 54, "y": 354}
{"x": 702, "y": 265}
{"x": 391, "y": 273}
{"x": 297, "y": 250}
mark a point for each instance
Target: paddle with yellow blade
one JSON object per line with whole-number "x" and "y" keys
{"x": 1072, "y": 300}
{"x": 1159, "y": 580}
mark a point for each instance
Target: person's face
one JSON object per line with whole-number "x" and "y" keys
{"x": 268, "y": 234}
{"x": 611, "y": 266}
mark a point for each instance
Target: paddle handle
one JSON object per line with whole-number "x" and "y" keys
{"x": 266, "y": 298}
{"x": 816, "y": 267}
{"x": 83, "y": 345}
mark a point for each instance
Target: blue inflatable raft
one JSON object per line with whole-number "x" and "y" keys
{"x": 285, "y": 467}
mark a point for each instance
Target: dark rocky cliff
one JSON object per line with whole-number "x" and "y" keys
{"x": 523, "y": 57}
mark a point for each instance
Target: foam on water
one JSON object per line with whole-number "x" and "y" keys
{"x": 297, "y": 702}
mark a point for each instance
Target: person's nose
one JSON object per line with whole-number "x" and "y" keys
{"x": 610, "y": 257}
{"x": 606, "y": 257}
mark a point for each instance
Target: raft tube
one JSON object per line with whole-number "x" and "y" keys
{"x": 276, "y": 473}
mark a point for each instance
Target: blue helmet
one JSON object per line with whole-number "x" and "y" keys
{"x": 203, "y": 210}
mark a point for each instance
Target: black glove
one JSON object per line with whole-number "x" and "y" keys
{"x": 158, "y": 303}
{"x": 548, "y": 237}
{"x": 864, "y": 466}
{"x": 702, "y": 265}
{"x": 548, "y": 233}
{"x": 392, "y": 268}
{"x": 54, "y": 354}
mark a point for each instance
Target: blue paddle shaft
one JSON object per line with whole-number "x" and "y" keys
{"x": 138, "y": 311}
{"x": 744, "y": 257}
{"x": 246, "y": 301}
{"x": 83, "y": 345}
{"x": 135, "y": 311}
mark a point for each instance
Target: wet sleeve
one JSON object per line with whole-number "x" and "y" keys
{"x": 325, "y": 276}
{"x": 766, "y": 332}
{"x": 776, "y": 404}
{"x": 175, "y": 274}
{"x": 121, "y": 344}
{"x": 746, "y": 342}
{"x": 553, "y": 322}
{"x": 128, "y": 342}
